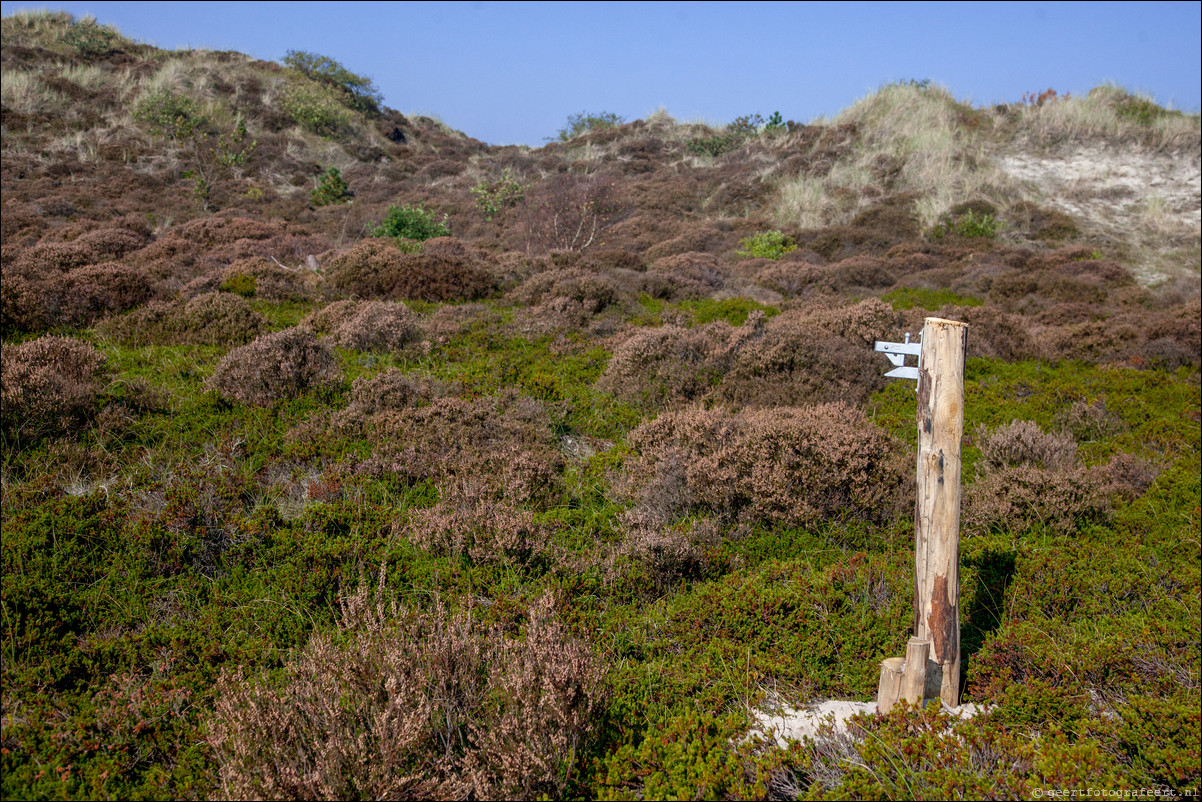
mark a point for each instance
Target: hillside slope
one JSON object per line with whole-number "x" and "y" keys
{"x": 346, "y": 455}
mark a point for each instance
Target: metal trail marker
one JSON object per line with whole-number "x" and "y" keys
{"x": 932, "y": 664}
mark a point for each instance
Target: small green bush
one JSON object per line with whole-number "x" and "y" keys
{"x": 493, "y": 196}
{"x": 766, "y": 245}
{"x": 331, "y": 189}
{"x": 168, "y": 114}
{"x": 410, "y": 222}
{"x": 584, "y": 122}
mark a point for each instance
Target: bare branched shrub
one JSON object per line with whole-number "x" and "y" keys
{"x": 397, "y": 703}
{"x": 377, "y": 268}
{"x": 48, "y": 385}
{"x": 569, "y": 213}
{"x": 275, "y": 367}
{"x": 1022, "y": 442}
{"x": 798, "y": 466}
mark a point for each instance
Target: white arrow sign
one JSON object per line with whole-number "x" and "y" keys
{"x": 896, "y": 353}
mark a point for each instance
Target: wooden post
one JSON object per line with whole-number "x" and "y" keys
{"x": 890, "y": 685}
{"x": 937, "y": 515}
{"x": 914, "y": 675}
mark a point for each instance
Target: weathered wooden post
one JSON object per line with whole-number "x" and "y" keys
{"x": 940, "y": 415}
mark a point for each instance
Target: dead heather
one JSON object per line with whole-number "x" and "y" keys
{"x": 606, "y": 413}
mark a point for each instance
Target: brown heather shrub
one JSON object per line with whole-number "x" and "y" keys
{"x": 401, "y": 704}
{"x": 1094, "y": 341}
{"x": 275, "y": 367}
{"x": 593, "y": 292}
{"x": 686, "y": 276}
{"x": 48, "y": 385}
{"x": 503, "y": 442}
{"x": 657, "y": 367}
{"x": 82, "y": 296}
{"x": 1089, "y": 421}
{"x": 377, "y": 268}
{"x": 993, "y": 334}
{"x": 377, "y": 326}
{"x": 485, "y": 531}
{"x": 1022, "y": 442}
{"x": 209, "y": 231}
{"x": 46, "y": 259}
{"x": 795, "y": 466}
{"x": 272, "y": 282}
{"x": 214, "y": 318}
{"x": 110, "y": 244}
{"x": 21, "y": 307}
{"x": 666, "y": 554}
{"x": 1019, "y": 498}
{"x": 814, "y": 353}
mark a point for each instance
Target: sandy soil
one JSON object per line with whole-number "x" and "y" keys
{"x": 785, "y": 724}
{"x": 1123, "y": 194}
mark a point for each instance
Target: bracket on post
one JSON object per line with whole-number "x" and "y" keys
{"x": 897, "y": 352}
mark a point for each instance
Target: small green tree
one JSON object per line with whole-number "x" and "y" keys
{"x": 493, "y": 196}
{"x": 355, "y": 91}
{"x": 331, "y": 189}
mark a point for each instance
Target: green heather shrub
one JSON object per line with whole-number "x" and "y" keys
{"x": 275, "y": 367}
{"x": 168, "y": 114}
{"x": 399, "y": 703}
{"x": 584, "y": 122}
{"x": 905, "y": 298}
{"x": 766, "y": 245}
{"x": 354, "y": 91}
{"x": 331, "y": 189}
{"x": 48, "y": 386}
{"x": 410, "y": 222}
{"x": 239, "y": 284}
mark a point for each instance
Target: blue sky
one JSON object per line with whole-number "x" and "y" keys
{"x": 511, "y": 73}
